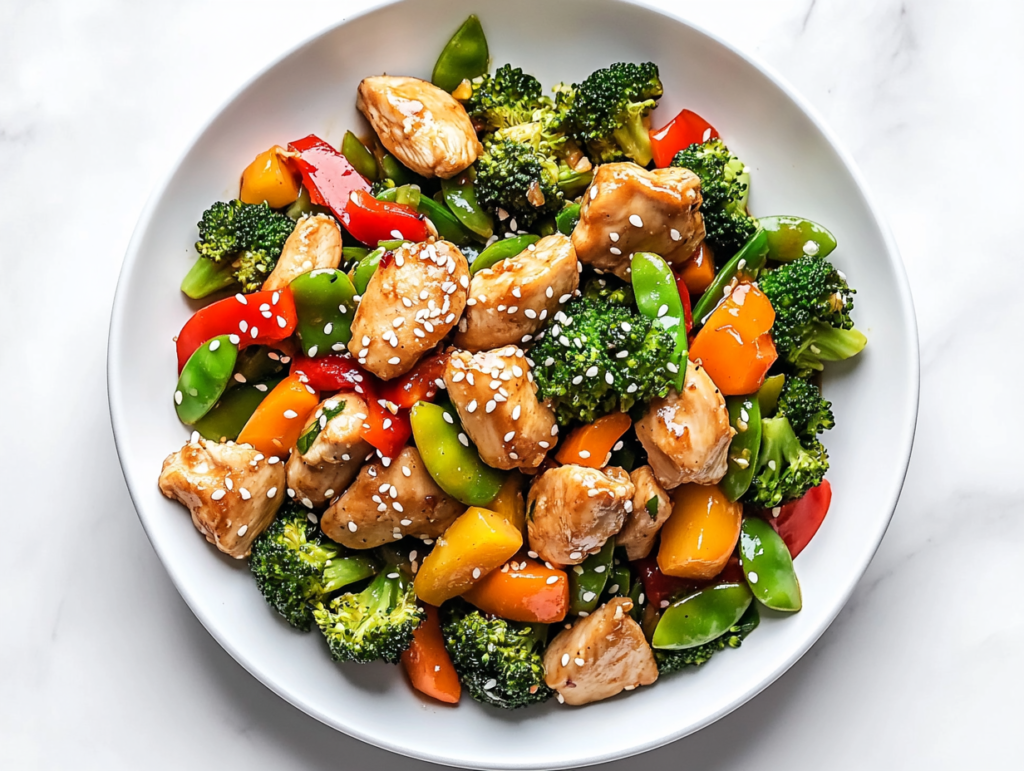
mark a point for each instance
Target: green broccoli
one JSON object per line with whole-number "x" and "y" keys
{"x": 786, "y": 467}
{"x": 498, "y": 661}
{"x": 812, "y": 303}
{"x": 238, "y": 242}
{"x": 673, "y": 661}
{"x": 599, "y": 356}
{"x": 809, "y": 413}
{"x": 725, "y": 188}
{"x": 609, "y": 112}
{"x": 375, "y": 624}
{"x": 518, "y": 178}
{"x": 506, "y": 98}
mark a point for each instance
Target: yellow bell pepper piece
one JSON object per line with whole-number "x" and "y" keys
{"x": 509, "y": 501}
{"x": 701, "y": 533}
{"x": 271, "y": 177}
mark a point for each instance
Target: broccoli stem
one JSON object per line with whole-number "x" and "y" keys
{"x": 342, "y": 572}
{"x": 838, "y": 344}
{"x": 206, "y": 277}
{"x": 635, "y": 140}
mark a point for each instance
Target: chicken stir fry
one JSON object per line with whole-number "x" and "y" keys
{"x": 651, "y": 509}
{"x": 509, "y": 303}
{"x": 314, "y": 244}
{"x": 628, "y": 209}
{"x": 496, "y": 399}
{"x": 231, "y": 490}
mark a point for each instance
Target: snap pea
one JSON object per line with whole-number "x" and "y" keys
{"x": 636, "y": 594}
{"x": 768, "y": 566}
{"x": 464, "y": 57}
{"x": 395, "y": 171}
{"x": 768, "y": 394}
{"x": 567, "y": 219}
{"x": 620, "y": 581}
{"x": 350, "y": 255}
{"x": 325, "y": 304}
{"x": 409, "y": 195}
{"x": 657, "y": 298}
{"x": 501, "y": 250}
{"x": 204, "y": 378}
{"x": 460, "y": 196}
{"x": 365, "y": 268}
{"x": 449, "y": 456}
{"x": 227, "y": 418}
{"x": 701, "y": 617}
{"x": 588, "y": 579}
{"x": 362, "y": 160}
{"x": 447, "y": 226}
{"x": 745, "y": 417}
{"x": 790, "y": 238}
{"x": 749, "y": 259}
{"x": 304, "y": 205}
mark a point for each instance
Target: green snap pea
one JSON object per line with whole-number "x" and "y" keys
{"x": 701, "y": 617}
{"x": 620, "y": 581}
{"x": 447, "y": 226}
{"x": 657, "y": 298}
{"x": 324, "y": 304}
{"x": 588, "y": 579}
{"x": 790, "y": 238}
{"x": 768, "y": 566}
{"x": 636, "y": 594}
{"x": 745, "y": 417}
{"x": 365, "y": 268}
{"x": 460, "y": 196}
{"x": 362, "y": 160}
{"x": 351, "y": 255}
{"x": 502, "y": 250}
{"x": 567, "y": 219}
{"x": 258, "y": 363}
{"x": 344, "y": 571}
{"x": 395, "y": 170}
{"x": 228, "y": 417}
{"x": 204, "y": 378}
{"x": 450, "y": 458}
{"x": 464, "y": 57}
{"x": 304, "y": 205}
{"x": 749, "y": 259}
{"x": 768, "y": 394}
{"x": 409, "y": 195}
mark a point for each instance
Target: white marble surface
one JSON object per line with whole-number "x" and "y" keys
{"x": 101, "y": 663}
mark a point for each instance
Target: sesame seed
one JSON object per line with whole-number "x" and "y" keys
{"x": 560, "y": 697}
{"x": 290, "y": 414}
{"x": 177, "y": 397}
{"x": 352, "y": 526}
{"x": 510, "y": 436}
{"x": 635, "y": 221}
{"x": 463, "y": 440}
{"x": 584, "y": 454}
{"x": 405, "y": 470}
{"x": 218, "y": 494}
{"x": 490, "y": 684}
{"x": 476, "y": 572}
{"x": 448, "y": 418}
{"x": 578, "y": 661}
{"x": 576, "y": 555}
{"x": 394, "y": 360}
{"x": 615, "y": 250}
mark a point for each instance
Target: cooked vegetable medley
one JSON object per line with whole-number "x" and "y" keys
{"x": 514, "y": 390}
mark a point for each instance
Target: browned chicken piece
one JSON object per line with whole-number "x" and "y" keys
{"x": 628, "y": 209}
{"x": 573, "y": 510}
{"x": 423, "y": 126}
{"x": 413, "y": 300}
{"x": 599, "y": 656}
{"x": 648, "y": 511}
{"x": 314, "y": 244}
{"x": 496, "y": 398}
{"x": 687, "y": 435}
{"x": 509, "y": 303}
{"x": 332, "y": 461}
{"x": 232, "y": 491}
{"x": 386, "y": 503}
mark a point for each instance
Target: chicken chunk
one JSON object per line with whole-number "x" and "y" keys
{"x": 423, "y": 126}
{"x": 650, "y": 510}
{"x": 315, "y": 243}
{"x": 496, "y": 398}
{"x": 573, "y": 510}
{"x": 511, "y": 302}
{"x": 628, "y": 209}
{"x": 687, "y": 435}
{"x": 388, "y": 502}
{"x": 599, "y": 656}
{"x": 232, "y": 491}
{"x": 330, "y": 464}
{"x": 413, "y": 300}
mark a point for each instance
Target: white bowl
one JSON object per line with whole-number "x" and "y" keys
{"x": 798, "y": 168}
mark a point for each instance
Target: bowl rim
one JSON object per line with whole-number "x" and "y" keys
{"x": 907, "y": 315}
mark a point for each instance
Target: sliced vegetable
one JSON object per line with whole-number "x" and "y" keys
{"x": 359, "y": 157}
{"x": 768, "y": 566}
{"x": 685, "y": 129}
{"x": 204, "y": 379}
{"x": 276, "y": 424}
{"x": 350, "y": 255}
{"x": 476, "y": 543}
{"x": 324, "y": 304}
{"x": 271, "y": 177}
{"x": 748, "y": 260}
{"x": 258, "y": 363}
{"x": 591, "y": 445}
{"x": 567, "y": 219}
{"x": 304, "y": 205}
{"x": 386, "y": 429}
{"x": 701, "y": 617}
{"x": 428, "y": 664}
{"x": 334, "y": 372}
{"x": 419, "y": 384}
{"x": 701, "y": 533}
{"x": 502, "y": 250}
{"x": 745, "y": 418}
{"x": 588, "y": 580}
{"x": 448, "y": 227}
{"x": 464, "y": 57}
{"x": 658, "y": 298}
{"x": 658, "y": 587}
{"x": 395, "y": 170}
{"x": 460, "y": 195}
{"x": 698, "y": 271}
{"x": 451, "y": 459}
{"x": 523, "y": 590}
{"x": 326, "y": 174}
{"x": 365, "y": 268}
{"x": 509, "y": 502}
{"x": 227, "y": 418}
{"x": 371, "y": 220}
{"x": 799, "y": 520}
{"x": 790, "y": 238}
{"x": 768, "y": 394}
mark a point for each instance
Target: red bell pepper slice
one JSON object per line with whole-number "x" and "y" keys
{"x": 334, "y": 372}
{"x": 679, "y": 133}
{"x": 256, "y": 319}
{"x": 420, "y": 385}
{"x": 684, "y": 295}
{"x": 327, "y": 174}
{"x": 657, "y": 586}
{"x": 799, "y": 520}
{"x": 372, "y": 221}
{"x": 385, "y": 430}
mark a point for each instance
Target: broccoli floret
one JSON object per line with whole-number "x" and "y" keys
{"x": 374, "y": 625}
{"x": 248, "y": 236}
{"x": 725, "y": 188}
{"x": 808, "y": 411}
{"x": 506, "y": 98}
{"x": 577, "y": 357}
{"x": 673, "y": 661}
{"x": 287, "y": 561}
{"x": 812, "y": 303}
{"x": 518, "y": 178}
{"x": 786, "y": 467}
{"x": 498, "y": 661}
{"x": 609, "y": 112}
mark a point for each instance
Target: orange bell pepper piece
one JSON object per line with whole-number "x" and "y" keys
{"x": 271, "y": 177}
{"x": 699, "y": 270}
{"x": 591, "y": 445}
{"x": 701, "y": 533}
{"x": 735, "y": 346}
{"x": 428, "y": 664}
{"x": 510, "y": 501}
{"x": 523, "y": 590}
{"x": 277, "y": 423}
